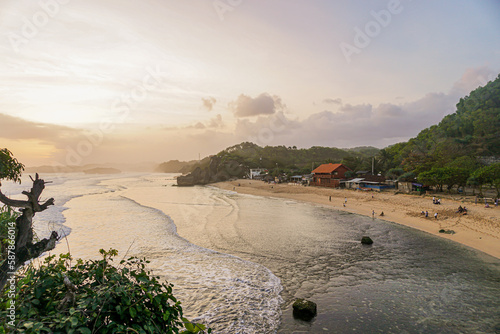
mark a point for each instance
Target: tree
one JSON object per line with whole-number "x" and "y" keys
{"x": 407, "y": 177}
{"x": 449, "y": 176}
{"x": 350, "y": 174}
{"x": 473, "y": 183}
{"x": 10, "y": 168}
{"x": 494, "y": 170}
{"x": 481, "y": 177}
{"x": 488, "y": 175}
{"x": 455, "y": 176}
{"x": 20, "y": 246}
{"x": 394, "y": 173}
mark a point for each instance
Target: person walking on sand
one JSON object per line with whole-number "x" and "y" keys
{"x": 345, "y": 200}
{"x": 373, "y": 213}
{"x": 436, "y": 215}
{"x": 426, "y": 214}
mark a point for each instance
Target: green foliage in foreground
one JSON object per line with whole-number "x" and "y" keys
{"x": 108, "y": 299}
{"x": 10, "y": 168}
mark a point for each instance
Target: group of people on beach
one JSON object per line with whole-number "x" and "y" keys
{"x": 426, "y": 214}
{"x": 461, "y": 210}
{"x": 436, "y": 201}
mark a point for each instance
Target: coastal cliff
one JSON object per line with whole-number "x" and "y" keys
{"x": 218, "y": 169}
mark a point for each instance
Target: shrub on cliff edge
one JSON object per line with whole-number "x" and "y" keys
{"x": 93, "y": 297}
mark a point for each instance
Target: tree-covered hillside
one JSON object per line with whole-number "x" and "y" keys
{"x": 464, "y": 148}
{"x": 297, "y": 159}
{"x": 287, "y": 159}
{"x": 464, "y": 138}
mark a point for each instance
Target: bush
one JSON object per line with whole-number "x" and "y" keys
{"x": 107, "y": 299}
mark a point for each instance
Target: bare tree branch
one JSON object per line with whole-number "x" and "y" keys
{"x": 25, "y": 250}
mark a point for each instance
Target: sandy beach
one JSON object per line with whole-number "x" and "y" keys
{"x": 479, "y": 229}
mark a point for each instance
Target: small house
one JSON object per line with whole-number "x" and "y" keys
{"x": 329, "y": 175}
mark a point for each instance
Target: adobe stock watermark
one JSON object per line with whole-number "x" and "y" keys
{"x": 121, "y": 108}
{"x": 31, "y": 26}
{"x": 364, "y": 36}
{"x": 224, "y": 6}
{"x": 11, "y": 281}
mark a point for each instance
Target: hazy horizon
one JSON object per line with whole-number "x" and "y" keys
{"x": 111, "y": 81}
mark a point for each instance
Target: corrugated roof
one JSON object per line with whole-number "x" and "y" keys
{"x": 355, "y": 180}
{"x": 326, "y": 168}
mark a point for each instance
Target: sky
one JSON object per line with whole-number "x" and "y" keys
{"x": 123, "y": 81}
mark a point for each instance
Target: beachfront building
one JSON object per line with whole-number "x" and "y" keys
{"x": 368, "y": 182}
{"x": 329, "y": 175}
{"x": 256, "y": 173}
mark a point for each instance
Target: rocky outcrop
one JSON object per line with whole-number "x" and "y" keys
{"x": 218, "y": 170}
{"x": 304, "y": 309}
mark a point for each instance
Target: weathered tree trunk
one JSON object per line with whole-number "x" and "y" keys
{"x": 22, "y": 248}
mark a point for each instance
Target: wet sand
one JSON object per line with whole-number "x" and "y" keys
{"x": 479, "y": 229}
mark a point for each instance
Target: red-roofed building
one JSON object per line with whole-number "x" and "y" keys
{"x": 329, "y": 175}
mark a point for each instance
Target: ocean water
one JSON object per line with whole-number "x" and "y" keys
{"x": 238, "y": 262}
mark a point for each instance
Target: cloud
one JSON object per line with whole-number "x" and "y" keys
{"x": 199, "y": 125}
{"x": 264, "y": 104}
{"x": 208, "y": 103}
{"x": 332, "y": 101}
{"x": 213, "y": 123}
{"x": 216, "y": 122}
{"x": 344, "y": 125}
{"x": 363, "y": 124}
{"x": 471, "y": 79}
{"x": 16, "y": 128}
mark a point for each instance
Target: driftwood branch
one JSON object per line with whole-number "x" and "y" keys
{"x": 25, "y": 249}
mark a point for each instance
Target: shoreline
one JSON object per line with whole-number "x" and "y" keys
{"x": 479, "y": 229}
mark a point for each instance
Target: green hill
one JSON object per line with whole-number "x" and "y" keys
{"x": 470, "y": 136}
{"x": 287, "y": 159}
{"x": 464, "y": 148}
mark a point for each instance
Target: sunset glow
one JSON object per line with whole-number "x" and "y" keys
{"x": 197, "y": 75}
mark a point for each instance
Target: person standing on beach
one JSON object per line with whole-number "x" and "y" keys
{"x": 436, "y": 215}
{"x": 373, "y": 213}
{"x": 426, "y": 214}
{"x": 345, "y": 200}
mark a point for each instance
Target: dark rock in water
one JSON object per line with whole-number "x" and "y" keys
{"x": 218, "y": 169}
{"x": 304, "y": 309}
{"x": 366, "y": 241}
{"x": 447, "y": 231}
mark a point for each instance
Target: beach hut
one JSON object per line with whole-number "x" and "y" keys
{"x": 329, "y": 175}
